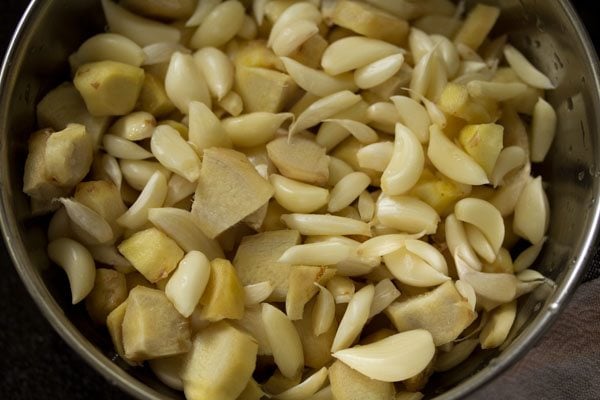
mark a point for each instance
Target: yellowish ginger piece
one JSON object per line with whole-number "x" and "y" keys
{"x": 455, "y": 100}
{"x": 264, "y": 89}
{"x": 439, "y": 192}
{"x": 109, "y": 87}
{"x": 348, "y": 384}
{"x": 152, "y": 327}
{"x": 302, "y": 287}
{"x": 229, "y": 189}
{"x": 256, "y": 260}
{"x": 152, "y": 253}
{"x": 370, "y": 21}
{"x": 300, "y": 158}
{"x": 153, "y": 97}
{"x": 68, "y": 155}
{"x": 110, "y": 290}
{"x": 220, "y": 363}
{"x": 483, "y": 142}
{"x": 224, "y": 294}
{"x": 478, "y": 24}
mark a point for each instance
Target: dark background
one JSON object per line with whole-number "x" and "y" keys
{"x": 35, "y": 363}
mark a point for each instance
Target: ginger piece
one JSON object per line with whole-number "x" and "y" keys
{"x": 370, "y": 21}
{"x": 220, "y": 363}
{"x": 224, "y": 294}
{"x": 442, "y": 311}
{"x": 109, "y": 87}
{"x": 256, "y": 260}
{"x": 36, "y": 182}
{"x": 152, "y": 327}
{"x": 300, "y": 158}
{"x": 264, "y": 89}
{"x": 229, "y": 189}
{"x": 153, "y": 97}
{"x": 64, "y": 105}
{"x": 110, "y": 290}
{"x": 104, "y": 198}
{"x": 302, "y": 287}
{"x": 69, "y": 155}
{"x": 478, "y": 24}
{"x": 311, "y": 51}
{"x": 348, "y": 384}
{"x": 483, "y": 142}
{"x": 152, "y": 253}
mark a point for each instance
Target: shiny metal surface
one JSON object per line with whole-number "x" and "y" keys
{"x": 548, "y": 32}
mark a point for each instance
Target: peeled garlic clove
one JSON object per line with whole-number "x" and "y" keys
{"x": 315, "y": 224}
{"x": 141, "y": 30}
{"x": 254, "y": 129}
{"x": 324, "y": 108}
{"x": 124, "y": 149}
{"x": 161, "y": 52}
{"x": 467, "y": 292}
{"x": 366, "y": 206}
{"x": 362, "y": 132}
{"x": 110, "y": 166}
{"x": 384, "y": 244}
{"x": 407, "y": 214}
{"x": 543, "y": 130}
{"x": 186, "y": 285}
{"x": 337, "y": 170}
{"x": 178, "y": 189}
{"x": 109, "y": 46}
{"x": 385, "y": 294}
{"x": 456, "y": 239}
{"x": 168, "y": 370}
{"x": 185, "y": 83}
{"x": 354, "y": 318}
{"x": 406, "y": 165}
{"x": 496, "y": 330}
{"x": 298, "y": 196}
{"x": 232, "y": 103}
{"x": 88, "y": 221}
{"x": 172, "y": 151}
{"x": 452, "y": 161}
{"x": 320, "y": 253}
{"x": 109, "y": 255}
{"x": 78, "y": 264}
{"x": 485, "y": 217}
{"x": 152, "y": 196}
{"x": 414, "y": 116}
{"x": 257, "y": 293}
{"x": 355, "y": 52}
{"x": 385, "y": 115}
{"x": 298, "y": 11}
{"x": 497, "y": 287}
{"x": 448, "y": 53}
{"x": 292, "y": 36}
{"x": 422, "y": 75}
{"x": 59, "y": 225}
{"x": 509, "y": 159}
{"x": 378, "y": 71}
{"x": 413, "y": 270}
{"x": 202, "y": 10}
{"x": 284, "y": 341}
{"x": 219, "y": 25}
{"x": 342, "y": 289}
{"x": 525, "y": 70}
{"x": 419, "y": 43}
{"x": 347, "y": 190}
{"x": 323, "y": 313}
{"x": 480, "y": 244}
{"x": 528, "y": 256}
{"x": 459, "y": 353}
{"x": 307, "y": 388}
{"x": 206, "y": 129}
{"x": 497, "y": 91}
{"x": 316, "y": 81}
{"x": 428, "y": 253}
{"x": 376, "y": 156}
{"x": 182, "y": 227}
{"x": 137, "y": 173}
{"x": 217, "y": 69}
{"x": 395, "y": 358}
{"x": 532, "y": 212}
{"x": 506, "y": 197}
